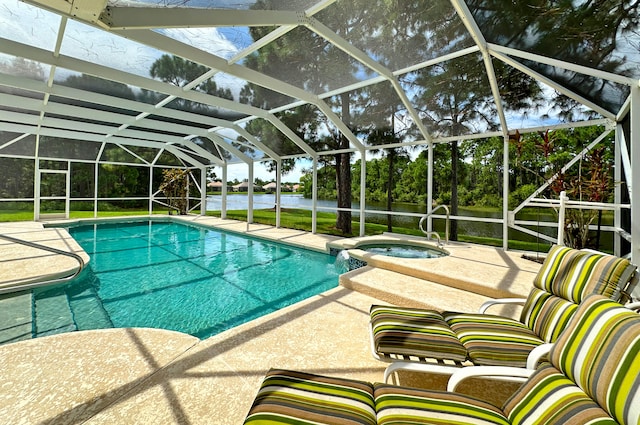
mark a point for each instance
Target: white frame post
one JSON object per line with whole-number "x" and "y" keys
{"x": 561, "y": 217}
{"x": 314, "y": 197}
{"x": 223, "y": 193}
{"x": 363, "y": 190}
{"x": 505, "y": 193}
{"x": 203, "y": 191}
{"x": 250, "y": 194}
{"x": 635, "y": 176}
{"x": 617, "y": 189}
{"x": 150, "y": 190}
{"x": 429, "y": 186}
{"x": 67, "y": 195}
{"x": 278, "y": 190}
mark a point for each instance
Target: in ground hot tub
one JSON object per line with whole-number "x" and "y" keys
{"x": 382, "y": 252}
{"x": 402, "y": 249}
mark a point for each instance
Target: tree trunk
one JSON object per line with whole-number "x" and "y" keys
{"x": 343, "y": 173}
{"x": 453, "y": 229}
{"x": 597, "y": 247}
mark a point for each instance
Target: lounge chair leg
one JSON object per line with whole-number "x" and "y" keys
{"x": 418, "y": 367}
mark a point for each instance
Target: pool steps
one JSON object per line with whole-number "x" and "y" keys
{"x": 16, "y": 317}
{"x": 485, "y": 271}
{"x": 58, "y": 312}
{"x": 399, "y": 289}
{"x": 55, "y": 312}
{"x": 88, "y": 300}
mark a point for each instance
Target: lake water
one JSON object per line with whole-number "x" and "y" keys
{"x": 472, "y": 228}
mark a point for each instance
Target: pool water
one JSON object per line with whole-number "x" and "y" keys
{"x": 403, "y": 250}
{"x": 173, "y": 276}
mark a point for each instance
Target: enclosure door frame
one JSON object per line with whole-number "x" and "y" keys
{"x": 39, "y": 197}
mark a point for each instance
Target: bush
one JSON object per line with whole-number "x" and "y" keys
{"x": 443, "y": 198}
{"x": 517, "y": 196}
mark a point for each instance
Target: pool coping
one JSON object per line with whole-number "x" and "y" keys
{"x": 24, "y": 265}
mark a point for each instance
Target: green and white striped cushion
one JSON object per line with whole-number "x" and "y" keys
{"x": 398, "y": 405}
{"x": 550, "y": 398}
{"x": 572, "y": 274}
{"x": 565, "y": 278}
{"x": 288, "y": 397}
{"x": 414, "y": 332}
{"x": 493, "y": 340}
{"x": 555, "y": 268}
{"x": 595, "y": 273}
{"x": 600, "y": 352}
{"x": 546, "y": 314}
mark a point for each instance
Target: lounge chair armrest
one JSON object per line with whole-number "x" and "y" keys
{"x": 485, "y": 306}
{"x": 512, "y": 374}
{"x": 536, "y": 354}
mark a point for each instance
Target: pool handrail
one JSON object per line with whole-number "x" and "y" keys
{"x": 32, "y": 284}
{"x": 446, "y": 227}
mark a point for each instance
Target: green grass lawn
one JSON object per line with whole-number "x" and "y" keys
{"x": 15, "y": 215}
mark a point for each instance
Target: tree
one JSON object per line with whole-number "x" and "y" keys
{"x": 411, "y": 185}
{"x": 180, "y": 72}
{"x": 583, "y": 33}
{"x": 313, "y": 61}
{"x": 591, "y": 180}
{"x": 457, "y": 102}
{"x": 24, "y": 68}
{"x": 175, "y": 186}
{"x": 99, "y": 85}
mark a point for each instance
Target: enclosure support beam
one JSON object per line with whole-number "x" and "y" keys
{"x": 625, "y": 158}
{"x": 223, "y": 207}
{"x": 617, "y": 188}
{"x": 363, "y": 190}
{"x": 278, "y": 182}
{"x": 36, "y": 179}
{"x": 314, "y": 197}
{"x": 151, "y": 194}
{"x": 505, "y": 193}
{"x": 635, "y": 176}
{"x": 430, "y": 186}
{"x": 203, "y": 191}
{"x": 250, "y": 195}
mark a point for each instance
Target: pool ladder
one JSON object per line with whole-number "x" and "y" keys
{"x": 428, "y": 234}
{"x": 32, "y": 284}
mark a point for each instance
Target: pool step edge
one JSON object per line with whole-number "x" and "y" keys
{"x": 399, "y": 289}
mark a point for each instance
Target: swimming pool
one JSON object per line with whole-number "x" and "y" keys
{"x": 163, "y": 274}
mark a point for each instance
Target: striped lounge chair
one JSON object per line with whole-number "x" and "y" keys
{"x": 592, "y": 377}
{"x": 441, "y": 342}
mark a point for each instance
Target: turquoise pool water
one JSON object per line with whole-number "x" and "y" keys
{"x": 172, "y": 276}
{"x": 403, "y": 250}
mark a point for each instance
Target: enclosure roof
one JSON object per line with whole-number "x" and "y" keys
{"x": 239, "y": 81}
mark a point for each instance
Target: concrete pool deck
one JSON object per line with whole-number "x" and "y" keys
{"x": 122, "y": 376}
{"x": 24, "y": 264}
